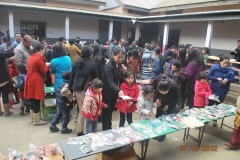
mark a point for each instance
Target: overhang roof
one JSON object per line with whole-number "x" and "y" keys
{"x": 91, "y": 2}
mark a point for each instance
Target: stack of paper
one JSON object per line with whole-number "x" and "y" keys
{"x": 191, "y": 122}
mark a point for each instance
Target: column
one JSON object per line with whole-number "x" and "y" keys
{"x": 11, "y": 26}
{"x": 165, "y": 37}
{"x": 209, "y": 34}
{"x": 67, "y": 28}
{"x": 137, "y": 30}
{"x": 110, "y": 30}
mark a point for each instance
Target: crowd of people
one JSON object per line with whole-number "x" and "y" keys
{"x": 97, "y": 76}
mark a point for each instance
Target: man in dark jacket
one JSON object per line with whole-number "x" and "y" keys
{"x": 169, "y": 52}
{"x": 77, "y": 42}
{"x": 112, "y": 46}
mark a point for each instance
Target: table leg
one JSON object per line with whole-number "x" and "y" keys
{"x": 145, "y": 152}
{"x": 222, "y": 122}
{"x": 184, "y": 136}
{"x": 200, "y": 140}
{"x": 187, "y": 133}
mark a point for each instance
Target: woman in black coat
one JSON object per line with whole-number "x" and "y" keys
{"x": 4, "y": 81}
{"x": 112, "y": 78}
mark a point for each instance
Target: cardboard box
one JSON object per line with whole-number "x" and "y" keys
{"x": 126, "y": 155}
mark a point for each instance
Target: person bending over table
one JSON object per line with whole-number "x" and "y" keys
{"x": 221, "y": 76}
{"x": 166, "y": 95}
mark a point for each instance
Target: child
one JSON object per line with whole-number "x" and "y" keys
{"x": 173, "y": 59}
{"x": 92, "y": 105}
{"x": 64, "y": 102}
{"x": 146, "y": 104}
{"x": 166, "y": 66}
{"x": 205, "y": 54}
{"x": 157, "y": 63}
{"x": 133, "y": 61}
{"x": 11, "y": 87}
{"x": 202, "y": 91}
{"x": 20, "y": 85}
{"x": 127, "y": 107}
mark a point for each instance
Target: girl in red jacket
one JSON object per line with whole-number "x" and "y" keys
{"x": 202, "y": 91}
{"x": 127, "y": 107}
{"x": 92, "y": 105}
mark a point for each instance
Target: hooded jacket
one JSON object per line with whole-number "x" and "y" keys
{"x": 218, "y": 72}
{"x": 192, "y": 71}
{"x": 202, "y": 91}
{"x": 131, "y": 91}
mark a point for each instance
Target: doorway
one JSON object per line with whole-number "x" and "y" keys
{"x": 34, "y": 28}
{"x": 130, "y": 35}
{"x": 173, "y": 38}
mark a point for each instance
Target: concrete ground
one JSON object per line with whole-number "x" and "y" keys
{"x": 16, "y": 132}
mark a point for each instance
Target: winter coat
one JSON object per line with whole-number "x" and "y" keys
{"x": 202, "y": 92}
{"x": 218, "y": 72}
{"x": 131, "y": 91}
{"x": 62, "y": 101}
{"x": 91, "y": 105}
{"x": 80, "y": 77}
{"x": 15, "y": 43}
{"x": 58, "y": 66}
{"x": 145, "y": 106}
{"x": 22, "y": 54}
{"x": 4, "y": 74}
{"x": 74, "y": 52}
{"x": 166, "y": 68}
{"x": 133, "y": 65}
{"x": 100, "y": 67}
{"x": 34, "y": 85}
{"x": 166, "y": 54}
{"x": 21, "y": 81}
{"x": 110, "y": 50}
{"x": 192, "y": 71}
{"x": 156, "y": 67}
{"x": 205, "y": 57}
{"x": 14, "y": 71}
{"x": 178, "y": 77}
{"x": 112, "y": 78}
{"x": 171, "y": 98}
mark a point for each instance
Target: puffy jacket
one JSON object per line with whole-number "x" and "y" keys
{"x": 21, "y": 81}
{"x": 4, "y": 74}
{"x": 91, "y": 105}
{"x": 156, "y": 67}
{"x": 131, "y": 91}
{"x": 218, "y": 72}
{"x": 202, "y": 91}
{"x": 80, "y": 77}
{"x": 192, "y": 71}
{"x": 62, "y": 101}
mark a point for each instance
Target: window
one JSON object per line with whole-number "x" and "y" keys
{"x": 34, "y": 28}
{"x": 38, "y": 1}
{"x": 137, "y": 12}
{"x": 174, "y": 12}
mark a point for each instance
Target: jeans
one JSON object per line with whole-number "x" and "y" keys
{"x": 91, "y": 126}
{"x": 61, "y": 113}
{"x": 122, "y": 119}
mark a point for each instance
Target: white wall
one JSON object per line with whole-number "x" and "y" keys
{"x": 226, "y": 34}
{"x": 125, "y": 26}
{"x": 84, "y": 28}
{"x": 191, "y": 32}
{"x": 4, "y": 25}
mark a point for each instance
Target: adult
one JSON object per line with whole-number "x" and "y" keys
{"x": 182, "y": 58}
{"x": 166, "y": 96}
{"x": 8, "y": 35}
{"x": 59, "y": 64}
{"x": 34, "y": 41}
{"x": 168, "y": 53}
{"x": 4, "y": 44}
{"x": 191, "y": 72}
{"x": 18, "y": 39}
{"x": 133, "y": 46}
{"x": 84, "y": 70}
{"x": 157, "y": 63}
{"x": 34, "y": 85}
{"x": 112, "y": 46}
{"x": 147, "y": 60}
{"x": 73, "y": 51}
{"x": 236, "y": 53}
{"x": 205, "y": 54}
{"x": 188, "y": 46}
{"x": 221, "y": 75}
{"x": 4, "y": 81}
{"x": 63, "y": 41}
{"x": 122, "y": 46}
{"x": 113, "y": 76}
{"x": 99, "y": 60}
{"x": 43, "y": 41}
{"x": 23, "y": 51}
{"x": 78, "y": 43}
{"x": 160, "y": 42}
{"x": 153, "y": 45}
{"x": 100, "y": 46}
{"x": 106, "y": 48}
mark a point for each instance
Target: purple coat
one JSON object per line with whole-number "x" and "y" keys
{"x": 192, "y": 71}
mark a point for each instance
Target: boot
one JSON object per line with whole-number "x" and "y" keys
{"x": 11, "y": 105}
{"x": 31, "y": 114}
{"x": 1, "y": 112}
{"x": 6, "y": 109}
{"x": 21, "y": 111}
{"x": 27, "y": 110}
{"x": 37, "y": 121}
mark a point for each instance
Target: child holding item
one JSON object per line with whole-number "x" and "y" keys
{"x": 20, "y": 85}
{"x": 92, "y": 105}
{"x": 127, "y": 107}
{"x": 146, "y": 104}
{"x": 202, "y": 91}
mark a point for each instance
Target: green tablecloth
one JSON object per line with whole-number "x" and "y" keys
{"x": 49, "y": 90}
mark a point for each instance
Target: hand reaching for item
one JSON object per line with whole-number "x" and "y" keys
{"x": 120, "y": 93}
{"x": 150, "y": 114}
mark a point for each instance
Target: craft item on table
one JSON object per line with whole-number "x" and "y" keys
{"x": 85, "y": 148}
{"x": 150, "y": 133}
{"x": 75, "y": 141}
{"x": 146, "y": 82}
{"x": 214, "y": 97}
{"x": 192, "y": 122}
{"x": 55, "y": 149}
{"x": 126, "y": 98}
{"x": 86, "y": 139}
{"x": 123, "y": 140}
{"x": 14, "y": 154}
{"x": 177, "y": 126}
{"x": 155, "y": 121}
{"x": 41, "y": 151}
{"x": 122, "y": 130}
{"x": 167, "y": 118}
{"x": 161, "y": 128}
{"x": 137, "y": 125}
{"x": 109, "y": 135}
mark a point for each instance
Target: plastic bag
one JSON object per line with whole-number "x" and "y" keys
{"x": 86, "y": 148}
{"x": 56, "y": 149}
{"x": 41, "y": 152}
{"x": 14, "y": 154}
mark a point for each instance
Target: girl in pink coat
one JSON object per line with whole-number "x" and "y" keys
{"x": 202, "y": 91}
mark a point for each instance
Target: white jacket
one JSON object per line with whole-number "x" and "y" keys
{"x": 145, "y": 106}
